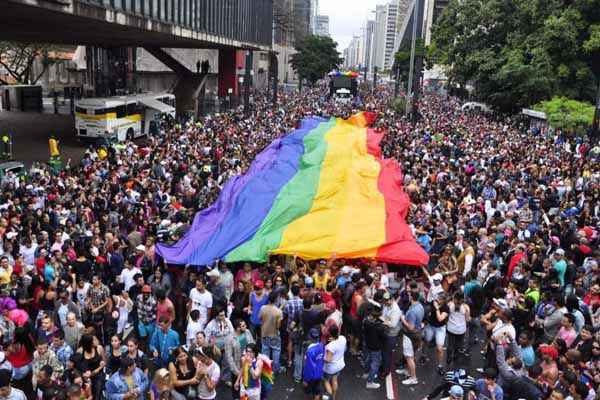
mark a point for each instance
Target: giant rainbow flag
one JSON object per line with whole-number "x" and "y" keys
{"x": 321, "y": 190}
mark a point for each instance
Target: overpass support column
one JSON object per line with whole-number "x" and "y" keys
{"x": 189, "y": 88}
{"x": 227, "y": 73}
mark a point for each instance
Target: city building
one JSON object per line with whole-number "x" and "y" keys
{"x": 368, "y": 38}
{"x": 386, "y": 21}
{"x": 314, "y": 13}
{"x": 322, "y": 25}
{"x": 433, "y": 10}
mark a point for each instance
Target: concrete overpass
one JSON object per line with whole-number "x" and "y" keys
{"x": 160, "y": 23}
{"x": 226, "y": 25}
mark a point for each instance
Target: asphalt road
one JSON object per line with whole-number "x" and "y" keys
{"x": 31, "y": 132}
{"x": 352, "y": 386}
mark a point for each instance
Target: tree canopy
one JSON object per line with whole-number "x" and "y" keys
{"x": 17, "y": 60}
{"x": 402, "y": 57}
{"x": 315, "y": 57}
{"x": 519, "y": 52}
{"x": 567, "y": 114}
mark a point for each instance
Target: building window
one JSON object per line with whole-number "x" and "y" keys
{"x": 121, "y": 111}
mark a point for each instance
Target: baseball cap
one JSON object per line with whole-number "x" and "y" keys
{"x": 146, "y": 289}
{"x": 346, "y": 269}
{"x": 308, "y": 281}
{"x": 140, "y": 247}
{"x": 560, "y": 252}
{"x": 456, "y": 391}
{"x": 259, "y": 284}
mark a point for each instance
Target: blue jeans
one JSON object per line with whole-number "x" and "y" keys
{"x": 374, "y": 362}
{"x": 298, "y": 360}
{"x": 271, "y": 347}
{"x": 387, "y": 354}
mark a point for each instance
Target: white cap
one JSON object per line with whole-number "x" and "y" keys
{"x": 213, "y": 273}
{"x": 560, "y": 252}
{"x": 501, "y": 303}
{"x": 140, "y": 247}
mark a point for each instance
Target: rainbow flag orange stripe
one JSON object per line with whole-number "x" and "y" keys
{"x": 322, "y": 190}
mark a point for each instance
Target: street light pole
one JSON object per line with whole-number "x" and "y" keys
{"x": 412, "y": 59}
{"x": 596, "y": 122}
{"x": 247, "y": 82}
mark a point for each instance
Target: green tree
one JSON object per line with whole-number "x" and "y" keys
{"x": 402, "y": 57}
{"x": 315, "y": 57}
{"x": 519, "y": 52}
{"x": 567, "y": 114}
{"x": 17, "y": 60}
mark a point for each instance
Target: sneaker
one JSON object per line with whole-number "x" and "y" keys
{"x": 402, "y": 371}
{"x": 440, "y": 370}
{"x": 297, "y": 380}
{"x": 410, "y": 381}
{"x": 480, "y": 370}
{"x": 373, "y": 385}
{"x": 364, "y": 376}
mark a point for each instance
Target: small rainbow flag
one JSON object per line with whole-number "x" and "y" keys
{"x": 324, "y": 189}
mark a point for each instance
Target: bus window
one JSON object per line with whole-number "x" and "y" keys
{"x": 121, "y": 111}
{"x": 131, "y": 108}
{"x": 80, "y": 110}
{"x": 100, "y": 111}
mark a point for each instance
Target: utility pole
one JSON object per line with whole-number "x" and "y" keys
{"x": 411, "y": 70}
{"x": 374, "y": 78}
{"x": 397, "y": 83}
{"x": 247, "y": 82}
{"x": 596, "y": 123}
{"x": 274, "y": 74}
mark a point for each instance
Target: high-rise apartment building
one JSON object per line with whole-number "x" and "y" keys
{"x": 322, "y": 25}
{"x": 386, "y": 20}
{"x": 368, "y": 36}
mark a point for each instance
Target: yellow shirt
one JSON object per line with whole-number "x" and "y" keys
{"x": 5, "y": 275}
{"x": 321, "y": 280}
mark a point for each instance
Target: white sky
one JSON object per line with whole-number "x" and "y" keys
{"x": 347, "y": 17}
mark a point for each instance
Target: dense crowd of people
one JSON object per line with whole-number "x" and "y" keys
{"x": 508, "y": 215}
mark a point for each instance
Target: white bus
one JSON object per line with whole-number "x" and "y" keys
{"x": 126, "y": 117}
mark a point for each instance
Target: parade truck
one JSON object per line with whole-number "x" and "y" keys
{"x": 343, "y": 86}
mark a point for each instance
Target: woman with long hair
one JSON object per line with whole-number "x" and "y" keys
{"x": 240, "y": 300}
{"x": 92, "y": 360}
{"x": 114, "y": 351}
{"x": 182, "y": 371}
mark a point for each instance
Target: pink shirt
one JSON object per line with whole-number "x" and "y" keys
{"x": 567, "y": 335}
{"x": 163, "y": 309}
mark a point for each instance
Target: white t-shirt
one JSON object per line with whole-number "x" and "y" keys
{"x": 201, "y": 302}
{"x": 337, "y": 348}
{"x": 28, "y": 253}
{"x": 127, "y": 276}
{"x": 16, "y": 394}
{"x": 82, "y": 293}
{"x": 501, "y": 329}
{"x": 214, "y": 373}
{"x": 192, "y": 329}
